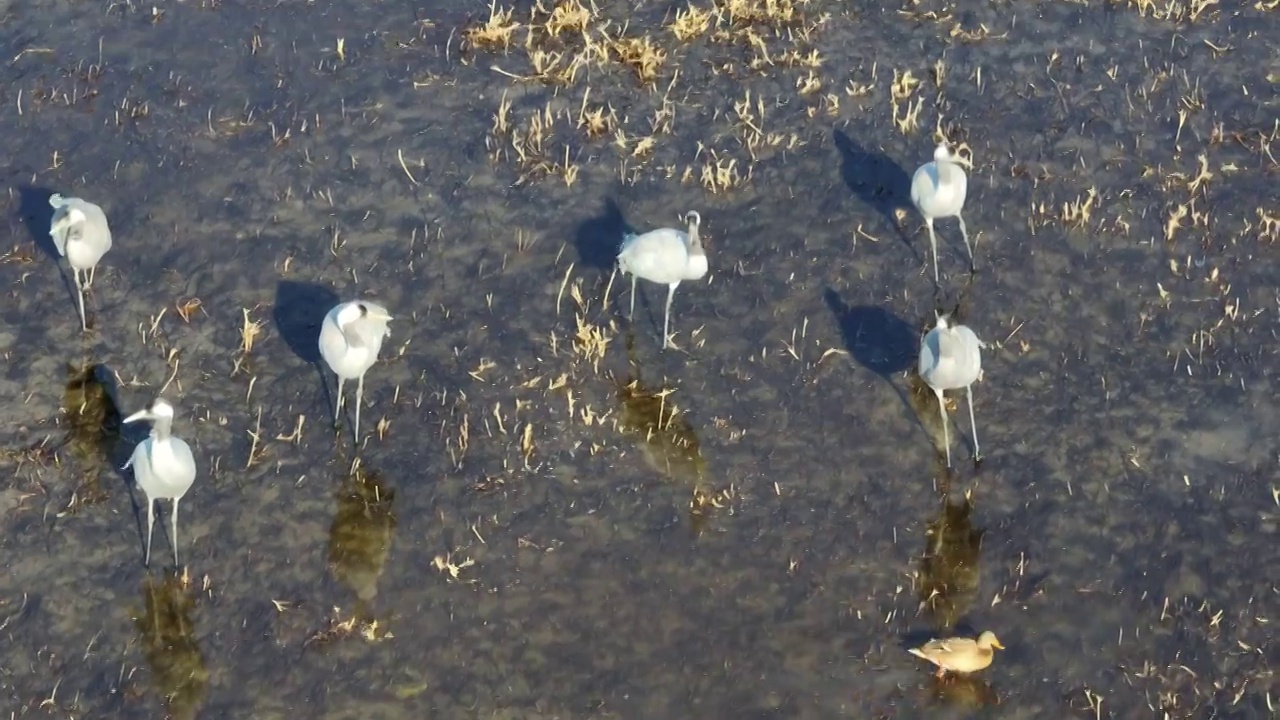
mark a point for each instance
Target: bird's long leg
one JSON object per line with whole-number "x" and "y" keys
{"x": 151, "y": 521}
{"x": 631, "y": 315}
{"x": 89, "y": 284}
{"x": 80, "y": 298}
{"x": 933, "y": 243}
{"x": 946, "y": 434}
{"x": 359, "y": 402}
{"x": 973, "y": 264}
{"x": 175, "y": 532}
{"x": 666, "y": 316}
{"x": 977, "y": 454}
{"x": 337, "y": 405}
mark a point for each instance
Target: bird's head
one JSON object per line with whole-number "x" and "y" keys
{"x": 942, "y": 153}
{"x": 373, "y": 312}
{"x": 160, "y": 409}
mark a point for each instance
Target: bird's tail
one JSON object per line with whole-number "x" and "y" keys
{"x": 627, "y": 237}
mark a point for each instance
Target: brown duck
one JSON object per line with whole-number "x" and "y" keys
{"x": 960, "y": 655}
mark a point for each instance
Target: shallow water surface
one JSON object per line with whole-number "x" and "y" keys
{"x": 549, "y": 516}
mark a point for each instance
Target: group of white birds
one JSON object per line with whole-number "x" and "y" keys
{"x": 351, "y": 334}
{"x": 163, "y": 465}
{"x": 950, "y": 355}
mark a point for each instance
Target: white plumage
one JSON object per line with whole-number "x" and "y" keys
{"x": 350, "y": 339}
{"x": 950, "y": 359}
{"x": 666, "y": 256}
{"x": 938, "y": 190}
{"x": 163, "y": 466}
{"x": 80, "y": 232}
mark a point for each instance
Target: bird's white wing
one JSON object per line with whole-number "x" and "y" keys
{"x": 60, "y": 226}
{"x": 659, "y": 256}
{"x": 924, "y": 185}
{"x": 959, "y": 361}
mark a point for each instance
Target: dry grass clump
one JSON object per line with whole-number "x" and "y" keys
{"x": 496, "y": 31}
{"x": 641, "y": 55}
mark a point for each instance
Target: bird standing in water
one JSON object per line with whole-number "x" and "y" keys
{"x": 350, "y": 339}
{"x": 950, "y": 359}
{"x": 938, "y": 190}
{"x": 80, "y": 232}
{"x": 163, "y": 467}
{"x": 960, "y": 655}
{"x": 667, "y": 256}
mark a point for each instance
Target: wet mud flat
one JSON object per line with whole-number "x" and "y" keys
{"x": 550, "y": 517}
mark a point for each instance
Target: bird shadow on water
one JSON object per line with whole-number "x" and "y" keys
{"x": 37, "y": 217}
{"x": 877, "y": 181}
{"x": 599, "y": 237}
{"x": 877, "y": 339}
{"x": 298, "y": 313}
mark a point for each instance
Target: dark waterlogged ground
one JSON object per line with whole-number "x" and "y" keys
{"x": 550, "y": 517}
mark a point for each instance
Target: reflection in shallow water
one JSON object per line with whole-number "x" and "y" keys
{"x": 93, "y": 426}
{"x": 360, "y": 537}
{"x": 168, "y": 638}
{"x": 964, "y": 690}
{"x": 949, "y": 568}
{"x": 668, "y": 443}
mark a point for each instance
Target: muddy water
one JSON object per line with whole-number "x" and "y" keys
{"x": 553, "y": 518}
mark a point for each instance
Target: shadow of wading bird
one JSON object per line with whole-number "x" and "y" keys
{"x": 666, "y": 256}
{"x": 877, "y": 181}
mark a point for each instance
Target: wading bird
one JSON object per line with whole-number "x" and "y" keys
{"x": 80, "y": 232}
{"x": 162, "y": 466}
{"x": 350, "y": 339}
{"x": 937, "y": 190}
{"x": 950, "y": 359}
{"x": 666, "y": 256}
{"x": 960, "y": 655}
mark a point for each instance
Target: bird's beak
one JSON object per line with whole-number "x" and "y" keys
{"x": 384, "y": 317}
{"x": 140, "y": 415}
{"x": 997, "y": 645}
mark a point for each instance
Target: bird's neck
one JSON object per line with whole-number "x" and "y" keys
{"x": 161, "y": 430}
{"x": 352, "y": 337}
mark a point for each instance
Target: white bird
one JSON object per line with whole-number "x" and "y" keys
{"x": 938, "y": 190}
{"x": 162, "y": 466}
{"x": 950, "y": 359}
{"x": 350, "y": 339}
{"x": 667, "y": 256}
{"x": 80, "y": 232}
